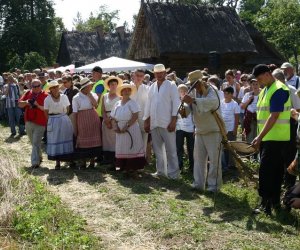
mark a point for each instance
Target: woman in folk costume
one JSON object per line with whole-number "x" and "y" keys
{"x": 108, "y": 133}
{"x": 88, "y": 133}
{"x": 130, "y": 155}
{"x": 59, "y": 126}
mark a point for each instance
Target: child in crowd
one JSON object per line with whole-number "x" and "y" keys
{"x": 185, "y": 129}
{"x": 230, "y": 112}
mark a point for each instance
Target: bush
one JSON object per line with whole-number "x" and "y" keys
{"x": 33, "y": 60}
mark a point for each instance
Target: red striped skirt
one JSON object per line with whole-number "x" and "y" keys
{"x": 88, "y": 129}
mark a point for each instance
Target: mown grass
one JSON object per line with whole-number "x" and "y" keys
{"x": 167, "y": 213}
{"x": 30, "y": 216}
{"x": 182, "y": 218}
{"x": 46, "y": 223}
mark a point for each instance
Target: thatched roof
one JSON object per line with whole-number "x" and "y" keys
{"x": 195, "y": 29}
{"x": 89, "y": 47}
{"x": 266, "y": 51}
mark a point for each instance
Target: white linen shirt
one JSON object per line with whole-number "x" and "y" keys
{"x": 162, "y": 104}
{"x": 59, "y": 107}
{"x": 293, "y": 81}
{"x": 141, "y": 97}
{"x": 82, "y": 102}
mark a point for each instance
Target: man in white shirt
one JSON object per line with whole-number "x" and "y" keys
{"x": 291, "y": 149}
{"x": 208, "y": 137}
{"x": 290, "y": 76}
{"x": 141, "y": 97}
{"x": 160, "y": 118}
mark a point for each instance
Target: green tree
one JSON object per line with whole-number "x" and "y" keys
{"x": 15, "y": 62}
{"x": 28, "y": 25}
{"x": 279, "y": 20}
{"x": 103, "y": 17}
{"x": 34, "y": 60}
{"x": 249, "y": 8}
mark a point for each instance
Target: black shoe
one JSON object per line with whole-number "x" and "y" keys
{"x": 22, "y": 133}
{"x": 57, "y": 167}
{"x": 12, "y": 134}
{"x": 264, "y": 207}
{"x": 35, "y": 166}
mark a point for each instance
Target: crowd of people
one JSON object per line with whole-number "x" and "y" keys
{"x": 118, "y": 118}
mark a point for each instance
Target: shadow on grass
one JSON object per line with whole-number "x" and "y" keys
{"x": 58, "y": 177}
{"x": 12, "y": 139}
{"x": 233, "y": 209}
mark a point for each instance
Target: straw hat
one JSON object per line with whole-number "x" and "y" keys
{"x": 51, "y": 85}
{"x": 126, "y": 86}
{"x": 160, "y": 68}
{"x": 194, "y": 76}
{"x": 119, "y": 80}
{"x": 85, "y": 82}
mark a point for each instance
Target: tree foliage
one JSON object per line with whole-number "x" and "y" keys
{"x": 279, "y": 20}
{"x": 28, "y": 25}
{"x": 33, "y": 60}
{"x": 103, "y": 17}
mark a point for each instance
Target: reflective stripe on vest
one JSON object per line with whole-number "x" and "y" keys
{"x": 281, "y": 129}
{"x": 99, "y": 108}
{"x": 288, "y": 108}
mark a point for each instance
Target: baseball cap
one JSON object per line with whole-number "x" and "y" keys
{"x": 260, "y": 69}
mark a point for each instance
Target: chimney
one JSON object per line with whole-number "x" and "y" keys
{"x": 100, "y": 32}
{"x": 121, "y": 31}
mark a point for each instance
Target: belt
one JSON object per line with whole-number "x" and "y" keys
{"x": 54, "y": 114}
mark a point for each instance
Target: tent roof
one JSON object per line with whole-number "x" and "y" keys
{"x": 115, "y": 64}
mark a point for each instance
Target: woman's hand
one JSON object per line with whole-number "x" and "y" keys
{"x": 108, "y": 123}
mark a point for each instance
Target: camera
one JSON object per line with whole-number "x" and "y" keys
{"x": 31, "y": 102}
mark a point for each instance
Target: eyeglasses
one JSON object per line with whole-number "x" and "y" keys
{"x": 243, "y": 80}
{"x": 36, "y": 86}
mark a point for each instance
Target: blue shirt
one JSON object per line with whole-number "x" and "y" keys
{"x": 278, "y": 99}
{"x": 99, "y": 89}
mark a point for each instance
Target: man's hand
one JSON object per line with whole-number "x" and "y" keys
{"x": 256, "y": 142}
{"x": 172, "y": 125}
{"x": 187, "y": 99}
{"x": 295, "y": 203}
{"x": 294, "y": 114}
{"x": 147, "y": 125}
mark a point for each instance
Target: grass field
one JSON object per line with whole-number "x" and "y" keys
{"x": 157, "y": 213}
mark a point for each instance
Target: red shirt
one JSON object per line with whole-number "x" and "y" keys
{"x": 35, "y": 115}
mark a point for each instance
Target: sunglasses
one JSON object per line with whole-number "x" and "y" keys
{"x": 36, "y": 86}
{"x": 64, "y": 81}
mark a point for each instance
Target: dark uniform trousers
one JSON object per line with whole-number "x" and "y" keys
{"x": 271, "y": 171}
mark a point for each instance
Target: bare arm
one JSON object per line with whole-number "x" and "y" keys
{"x": 93, "y": 101}
{"x": 46, "y": 113}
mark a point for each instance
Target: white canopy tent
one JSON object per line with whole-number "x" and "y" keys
{"x": 116, "y": 64}
{"x": 70, "y": 67}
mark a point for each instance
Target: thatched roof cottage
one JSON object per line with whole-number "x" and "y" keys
{"x": 182, "y": 37}
{"x": 82, "y": 48}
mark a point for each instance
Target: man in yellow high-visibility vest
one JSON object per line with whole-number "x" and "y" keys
{"x": 273, "y": 122}
{"x": 99, "y": 89}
